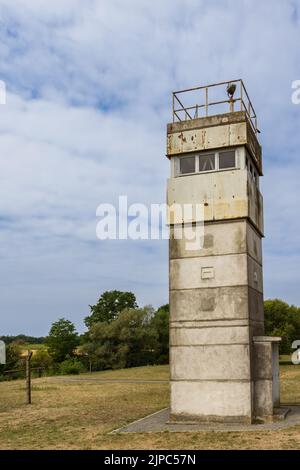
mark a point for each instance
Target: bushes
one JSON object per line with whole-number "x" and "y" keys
{"x": 42, "y": 359}
{"x": 127, "y": 341}
{"x": 136, "y": 337}
{"x": 71, "y": 366}
{"x": 282, "y": 319}
{"x": 160, "y": 323}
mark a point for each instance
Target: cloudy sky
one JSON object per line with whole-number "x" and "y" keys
{"x": 89, "y": 87}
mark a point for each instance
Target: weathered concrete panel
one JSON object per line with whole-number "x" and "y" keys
{"x": 263, "y": 361}
{"x": 254, "y": 148}
{"x": 266, "y": 374}
{"x": 223, "y": 193}
{"x": 230, "y": 237}
{"x": 275, "y": 374}
{"x": 211, "y": 399}
{"x": 218, "y": 239}
{"x": 209, "y": 304}
{"x": 263, "y": 402}
{"x": 256, "y": 305}
{"x": 181, "y": 336}
{"x": 207, "y": 138}
{"x": 255, "y": 208}
{"x": 221, "y": 362}
{"x": 189, "y": 273}
{"x": 255, "y": 275}
{"x": 256, "y": 328}
{"x": 254, "y": 244}
{"x": 207, "y": 121}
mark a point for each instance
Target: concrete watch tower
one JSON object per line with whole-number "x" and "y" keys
{"x": 223, "y": 368}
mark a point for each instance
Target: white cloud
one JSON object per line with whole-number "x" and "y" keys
{"x": 89, "y": 86}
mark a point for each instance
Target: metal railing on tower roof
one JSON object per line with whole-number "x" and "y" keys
{"x": 200, "y": 101}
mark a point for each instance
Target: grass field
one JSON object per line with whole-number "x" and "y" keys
{"x": 33, "y": 346}
{"x": 68, "y": 413}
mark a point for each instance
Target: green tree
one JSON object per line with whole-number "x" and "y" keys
{"x": 160, "y": 323}
{"x": 88, "y": 354}
{"x": 127, "y": 341}
{"x": 282, "y": 319}
{"x": 24, "y": 338}
{"x": 62, "y": 340}
{"x": 109, "y": 306}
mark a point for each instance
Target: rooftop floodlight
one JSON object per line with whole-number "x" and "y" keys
{"x": 231, "y": 87}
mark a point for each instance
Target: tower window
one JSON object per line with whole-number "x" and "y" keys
{"x": 227, "y": 159}
{"x": 207, "y": 162}
{"x": 187, "y": 165}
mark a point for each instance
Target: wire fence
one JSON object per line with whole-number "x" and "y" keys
{"x": 37, "y": 372}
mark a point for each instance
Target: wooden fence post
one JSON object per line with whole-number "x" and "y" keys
{"x": 28, "y": 378}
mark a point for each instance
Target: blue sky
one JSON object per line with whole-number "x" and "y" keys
{"x": 89, "y": 94}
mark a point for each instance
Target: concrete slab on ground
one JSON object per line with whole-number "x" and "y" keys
{"x": 159, "y": 422}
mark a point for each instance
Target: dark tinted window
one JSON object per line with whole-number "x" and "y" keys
{"x": 207, "y": 162}
{"x": 187, "y": 165}
{"x": 227, "y": 159}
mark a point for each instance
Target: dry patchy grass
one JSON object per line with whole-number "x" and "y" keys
{"x": 79, "y": 415}
{"x": 290, "y": 383}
